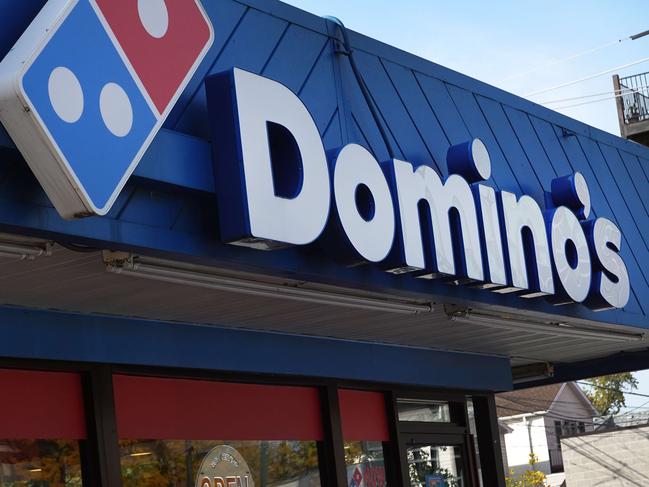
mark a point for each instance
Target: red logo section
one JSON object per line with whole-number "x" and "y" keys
{"x": 162, "y": 39}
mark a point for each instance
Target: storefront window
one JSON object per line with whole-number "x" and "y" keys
{"x": 40, "y": 463}
{"x": 435, "y": 466}
{"x": 473, "y": 434}
{"x": 269, "y": 434}
{"x": 176, "y": 463}
{"x": 365, "y": 429}
{"x": 365, "y": 464}
{"x": 42, "y": 421}
{"x": 424, "y": 410}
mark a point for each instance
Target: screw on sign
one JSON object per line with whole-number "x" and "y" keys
{"x": 89, "y": 84}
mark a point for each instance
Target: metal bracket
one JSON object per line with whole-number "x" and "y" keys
{"x": 567, "y": 133}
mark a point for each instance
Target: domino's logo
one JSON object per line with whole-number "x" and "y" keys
{"x": 89, "y": 84}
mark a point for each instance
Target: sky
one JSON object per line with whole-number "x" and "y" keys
{"x": 505, "y": 42}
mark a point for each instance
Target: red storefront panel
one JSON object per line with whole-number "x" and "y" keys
{"x": 363, "y": 416}
{"x": 178, "y": 409}
{"x": 41, "y": 405}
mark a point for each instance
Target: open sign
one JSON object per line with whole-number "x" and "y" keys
{"x": 223, "y": 466}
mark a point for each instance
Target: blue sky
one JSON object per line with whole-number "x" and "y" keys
{"x": 497, "y": 39}
{"x": 494, "y": 40}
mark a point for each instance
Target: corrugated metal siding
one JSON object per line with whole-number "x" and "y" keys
{"x": 426, "y": 108}
{"x": 425, "y": 115}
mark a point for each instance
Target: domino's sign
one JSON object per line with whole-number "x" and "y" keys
{"x": 88, "y": 86}
{"x": 276, "y": 187}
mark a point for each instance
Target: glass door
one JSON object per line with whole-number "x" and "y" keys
{"x": 433, "y": 437}
{"x": 436, "y": 461}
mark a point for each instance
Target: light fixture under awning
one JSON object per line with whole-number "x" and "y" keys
{"x": 21, "y": 248}
{"x": 549, "y": 327}
{"x": 211, "y": 278}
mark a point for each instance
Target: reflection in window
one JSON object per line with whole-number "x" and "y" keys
{"x": 39, "y": 463}
{"x": 435, "y": 466}
{"x": 365, "y": 465}
{"x": 473, "y": 434}
{"x": 424, "y": 410}
{"x": 175, "y": 463}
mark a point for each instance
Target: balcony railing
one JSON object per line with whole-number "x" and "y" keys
{"x": 556, "y": 460}
{"x": 634, "y": 96}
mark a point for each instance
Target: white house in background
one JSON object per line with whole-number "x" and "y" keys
{"x": 536, "y": 419}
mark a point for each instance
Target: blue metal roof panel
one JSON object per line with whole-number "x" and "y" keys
{"x": 169, "y": 206}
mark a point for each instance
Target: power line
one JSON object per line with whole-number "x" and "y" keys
{"x": 527, "y": 402}
{"x": 587, "y": 78}
{"x": 593, "y": 95}
{"x": 642, "y": 406}
{"x": 586, "y": 420}
{"x": 533, "y": 402}
{"x": 564, "y": 107}
{"x": 549, "y": 413}
{"x": 561, "y": 61}
{"x": 630, "y": 393}
{"x": 639, "y": 35}
{"x": 575, "y": 56}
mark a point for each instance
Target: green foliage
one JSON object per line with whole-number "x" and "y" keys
{"x": 529, "y": 478}
{"x": 36, "y": 463}
{"x": 607, "y": 392}
{"x": 168, "y": 463}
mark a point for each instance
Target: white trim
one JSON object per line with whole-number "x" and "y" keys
{"x": 556, "y": 396}
{"x": 584, "y": 398}
{"x": 522, "y": 415}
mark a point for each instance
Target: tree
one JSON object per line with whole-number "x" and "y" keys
{"x": 607, "y": 392}
{"x": 530, "y": 478}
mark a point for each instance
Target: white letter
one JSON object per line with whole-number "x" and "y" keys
{"x": 520, "y": 215}
{"x": 424, "y": 184}
{"x": 364, "y": 203}
{"x": 611, "y": 287}
{"x": 571, "y": 255}
{"x": 300, "y": 218}
{"x": 493, "y": 241}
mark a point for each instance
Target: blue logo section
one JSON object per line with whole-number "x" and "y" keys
{"x": 87, "y": 99}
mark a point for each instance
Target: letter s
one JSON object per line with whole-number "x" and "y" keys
{"x": 610, "y": 287}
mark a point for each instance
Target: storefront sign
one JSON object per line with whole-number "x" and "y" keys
{"x": 276, "y": 187}
{"x": 436, "y": 480}
{"x": 88, "y": 86}
{"x": 83, "y": 113}
{"x": 224, "y": 466}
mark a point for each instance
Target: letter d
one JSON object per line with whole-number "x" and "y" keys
{"x": 270, "y": 166}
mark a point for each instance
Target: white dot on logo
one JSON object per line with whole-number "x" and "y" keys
{"x": 66, "y": 94}
{"x": 116, "y": 109}
{"x": 154, "y": 17}
{"x": 481, "y": 159}
{"x": 583, "y": 193}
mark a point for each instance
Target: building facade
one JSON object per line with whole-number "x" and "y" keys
{"x": 537, "y": 419}
{"x": 632, "y": 101}
{"x": 242, "y": 245}
{"x": 607, "y": 457}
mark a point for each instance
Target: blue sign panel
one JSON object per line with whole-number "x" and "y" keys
{"x": 273, "y": 189}
{"x": 88, "y": 86}
{"x": 581, "y": 188}
{"x": 90, "y": 104}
